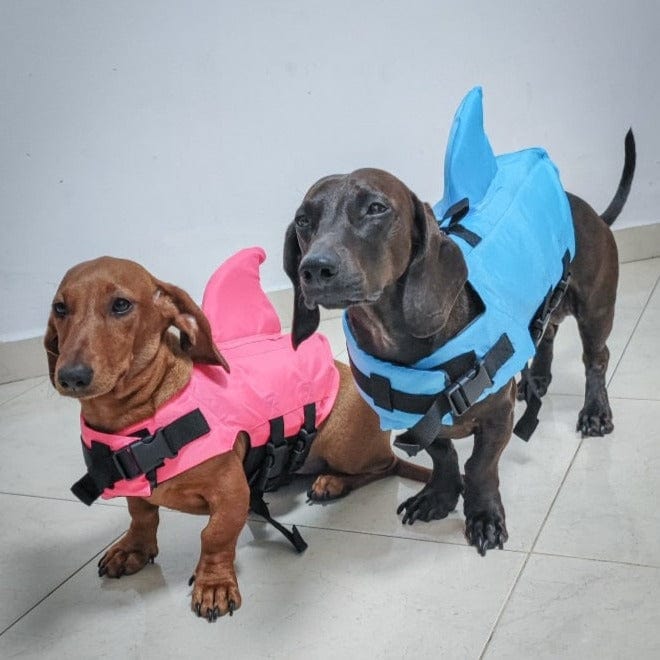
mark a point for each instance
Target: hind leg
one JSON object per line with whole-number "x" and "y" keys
{"x": 595, "y": 418}
{"x": 540, "y": 372}
{"x": 350, "y": 449}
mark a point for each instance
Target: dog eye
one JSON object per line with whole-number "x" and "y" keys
{"x": 60, "y": 310}
{"x": 121, "y": 306}
{"x": 376, "y": 208}
{"x": 301, "y": 221}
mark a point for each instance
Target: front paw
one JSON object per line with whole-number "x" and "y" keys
{"x": 215, "y": 596}
{"x": 595, "y": 421}
{"x": 125, "y": 558}
{"x": 486, "y": 530}
{"x": 429, "y": 504}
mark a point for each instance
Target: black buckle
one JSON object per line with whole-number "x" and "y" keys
{"x": 143, "y": 455}
{"x": 559, "y": 292}
{"x": 277, "y": 457}
{"x": 467, "y": 389}
{"x": 301, "y": 449}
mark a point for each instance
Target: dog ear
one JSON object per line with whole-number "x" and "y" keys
{"x": 181, "y": 311}
{"x": 305, "y": 320}
{"x": 435, "y": 276}
{"x": 51, "y": 344}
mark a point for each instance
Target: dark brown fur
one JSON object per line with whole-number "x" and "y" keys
{"x": 123, "y": 365}
{"x": 364, "y": 241}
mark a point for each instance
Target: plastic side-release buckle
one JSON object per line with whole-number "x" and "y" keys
{"x": 466, "y": 390}
{"x": 301, "y": 449}
{"x": 143, "y": 455}
{"x": 275, "y": 462}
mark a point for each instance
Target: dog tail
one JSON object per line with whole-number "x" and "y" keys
{"x": 611, "y": 213}
{"x": 411, "y": 471}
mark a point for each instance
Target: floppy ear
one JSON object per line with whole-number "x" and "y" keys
{"x": 305, "y": 320}
{"x": 183, "y": 313}
{"x": 435, "y": 276}
{"x": 51, "y": 344}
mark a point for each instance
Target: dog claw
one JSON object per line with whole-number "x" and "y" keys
{"x": 231, "y": 606}
{"x": 191, "y": 580}
{"x": 428, "y": 505}
{"x": 486, "y": 531}
{"x": 198, "y": 609}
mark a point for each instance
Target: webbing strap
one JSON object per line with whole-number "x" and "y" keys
{"x": 457, "y": 212}
{"x": 457, "y": 398}
{"x": 528, "y": 421}
{"x": 143, "y": 456}
{"x": 282, "y": 458}
{"x": 258, "y": 506}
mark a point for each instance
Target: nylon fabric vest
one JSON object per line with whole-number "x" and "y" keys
{"x": 268, "y": 378}
{"x": 520, "y": 212}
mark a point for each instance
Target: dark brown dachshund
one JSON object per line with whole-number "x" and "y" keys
{"x": 108, "y": 345}
{"x": 364, "y": 241}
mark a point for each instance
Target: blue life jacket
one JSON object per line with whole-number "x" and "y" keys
{"x": 511, "y": 219}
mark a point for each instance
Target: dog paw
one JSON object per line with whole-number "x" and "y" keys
{"x": 486, "y": 530}
{"x": 594, "y": 423}
{"x": 536, "y": 384}
{"x": 428, "y": 504}
{"x": 327, "y": 487}
{"x": 124, "y": 559}
{"x": 214, "y": 597}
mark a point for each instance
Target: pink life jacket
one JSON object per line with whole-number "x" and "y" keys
{"x": 268, "y": 381}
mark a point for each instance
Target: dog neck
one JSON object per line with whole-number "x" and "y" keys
{"x": 381, "y": 330}
{"x": 137, "y": 396}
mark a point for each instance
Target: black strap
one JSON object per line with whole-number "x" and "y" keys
{"x": 258, "y": 506}
{"x": 528, "y": 422}
{"x": 457, "y": 212}
{"x": 551, "y": 301}
{"x": 380, "y": 390}
{"x": 456, "y": 398}
{"x": 144, "y": 456}
{"x": 282, "y": 457}
{"x": 304, "y": 439}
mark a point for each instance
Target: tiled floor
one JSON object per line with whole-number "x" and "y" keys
{"x": 579, "y": 577}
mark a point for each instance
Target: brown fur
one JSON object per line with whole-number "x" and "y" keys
{"x": 123, "y": 364}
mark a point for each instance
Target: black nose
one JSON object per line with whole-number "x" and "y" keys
{"x": 319, "y": 269}
{"x": 75, "y": 377}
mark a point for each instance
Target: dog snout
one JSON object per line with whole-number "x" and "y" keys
{"x": 75, "y": 377}
{"x": 319, "y": 269}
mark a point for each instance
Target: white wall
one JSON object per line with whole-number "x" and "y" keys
{"x": 175, "y": 133}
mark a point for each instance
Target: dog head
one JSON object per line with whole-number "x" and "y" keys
{"x": 358, "y": 235}
{"x": 109, "y": 319}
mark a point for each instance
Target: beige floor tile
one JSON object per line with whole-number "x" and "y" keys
{"x": 574, "y": 609}
{"x": 607, "y": 508}
{"x": 44, "y": 542}
{"x": 348, "y": 594}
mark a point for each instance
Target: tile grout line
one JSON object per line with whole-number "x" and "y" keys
{"x": 62, "y": 583}
{"x": 20, "y": 394}
{"x": 454, "y": 544}
{"x": 634, "y": 330}
{"x": 616, "y": 562}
